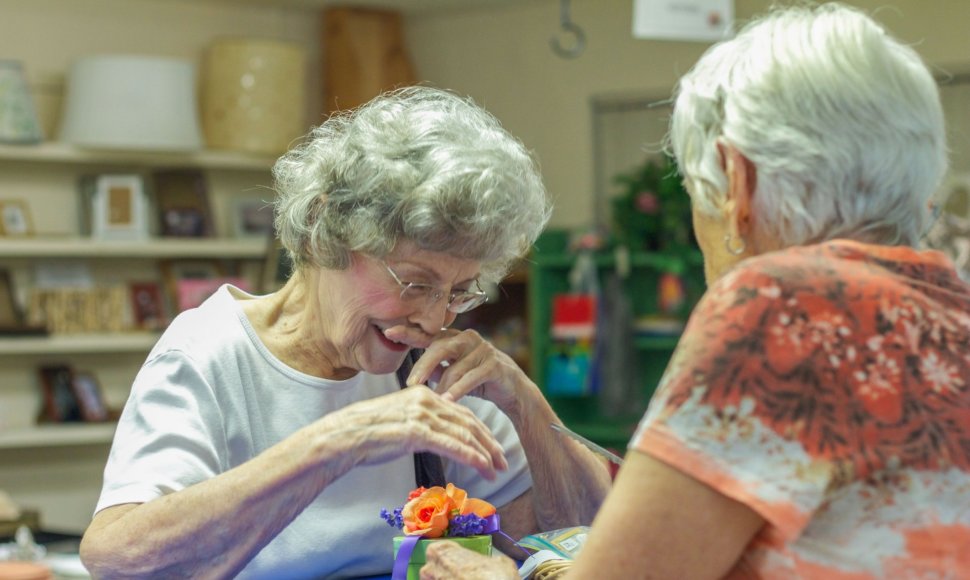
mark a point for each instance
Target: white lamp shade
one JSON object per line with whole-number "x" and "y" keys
{"x": 132, "y": 102}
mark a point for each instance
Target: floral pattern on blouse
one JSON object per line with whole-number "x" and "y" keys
{"x": 828, "y": 388}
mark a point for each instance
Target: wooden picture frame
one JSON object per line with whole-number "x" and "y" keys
{"x": 15, "y": 218}
{"x": 119, "y": 209}
{"x": 253, "y": 219}
{"x": 90, "y": 399}
{"x": 147, "y": 305}
{"x": 182, "y": 204}
{"x": 60, "y": 405}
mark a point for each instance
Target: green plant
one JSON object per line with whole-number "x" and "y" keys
{"x": 652, "y": 212}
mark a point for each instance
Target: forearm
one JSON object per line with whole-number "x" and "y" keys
{"x": 214, "y": 528}
{"x": 569, "y": 482}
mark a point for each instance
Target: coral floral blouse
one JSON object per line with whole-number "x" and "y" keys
{"x": 828, "y": 389}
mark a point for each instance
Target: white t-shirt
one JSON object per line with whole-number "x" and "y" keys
{"x": 211, "y": 396}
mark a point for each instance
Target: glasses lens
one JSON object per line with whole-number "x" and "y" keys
{"x": 413, "y": 292}
{"x": 466, "y": 301}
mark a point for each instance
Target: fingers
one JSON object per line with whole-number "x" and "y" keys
{"x": 447, "y": 560}
{"x": 413, "y": 420}
{"x": 447, "y": 346}
{"x": 412, "y": 336}
{"x": 454, "y": 431}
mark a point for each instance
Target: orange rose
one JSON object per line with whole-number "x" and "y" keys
{"x": 428, "y": 514}
{"x": 465, "y": 505}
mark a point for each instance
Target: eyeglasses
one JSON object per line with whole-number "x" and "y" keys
{"x": 459, "y": 301}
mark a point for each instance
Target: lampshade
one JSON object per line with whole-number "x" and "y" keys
{"x": 253, "y": 94}
{"x": 131, "y": 102}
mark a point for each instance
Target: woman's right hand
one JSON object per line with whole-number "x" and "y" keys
{"x": 411, "y": 420}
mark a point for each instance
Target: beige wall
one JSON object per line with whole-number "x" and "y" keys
{"x": 501, "y": 57}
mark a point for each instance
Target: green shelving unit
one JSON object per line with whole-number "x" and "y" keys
{"x": 549, "y": 267}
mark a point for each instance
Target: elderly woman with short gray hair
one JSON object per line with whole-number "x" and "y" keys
{"x": 815, "y": 417}
{"x": 265, "y": 433}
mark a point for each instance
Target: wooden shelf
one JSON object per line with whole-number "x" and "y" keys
{"x": 131, "y": 342}
{"x": 76, "y": 247}
{"x": 62, "y": 435}
{"x": 54, "y": 152}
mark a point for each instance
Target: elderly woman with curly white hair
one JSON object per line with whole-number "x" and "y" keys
{"x": 264, "y": 434}
{"x": 814, "y": 421}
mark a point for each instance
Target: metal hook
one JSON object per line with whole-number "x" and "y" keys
{"x": 571, "y": 28}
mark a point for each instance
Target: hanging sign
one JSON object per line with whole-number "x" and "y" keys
{"x": 692, "y": 20}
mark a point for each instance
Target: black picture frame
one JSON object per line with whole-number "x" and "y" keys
{"x": 90, "y": 399}
{"x": 60, "y": 405}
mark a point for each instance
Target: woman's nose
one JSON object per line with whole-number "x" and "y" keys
{"x": 432, "y": 318}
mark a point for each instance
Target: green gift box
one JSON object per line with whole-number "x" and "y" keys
{"x": 480, "y": 544}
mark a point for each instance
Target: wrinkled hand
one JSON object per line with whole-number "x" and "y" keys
{"x": 448, "y": 560}
{"x": 475, "y": 367}
{"x": 412, "y": 420}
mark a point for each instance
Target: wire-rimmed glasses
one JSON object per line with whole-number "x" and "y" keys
{"x": 459, "y": 301}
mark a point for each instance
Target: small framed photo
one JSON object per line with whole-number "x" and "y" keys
{"x": 147, "y": 305}
{"x": 60, "y": 403}
{"x": 119, "y": 211}
{"x": 182, "y": 203}
{"x": 15, "y": 218}
{"x": 90, "y": 400}
{"x": 253, "y": 219}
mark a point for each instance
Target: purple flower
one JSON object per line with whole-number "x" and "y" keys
{"x": 467, "y": 525}
{"x": 393, "y": 519}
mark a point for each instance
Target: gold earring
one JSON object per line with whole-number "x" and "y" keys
{"x": 734, "y": 251}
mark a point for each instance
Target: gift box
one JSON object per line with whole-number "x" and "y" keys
{"x": 480, "y": 544}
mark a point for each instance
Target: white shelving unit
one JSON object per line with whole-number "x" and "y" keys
{"x": 66, "y": 435}
{"x": 62, "y": 153}
{"x": 75, "y": 247}
{"x": 128, "y": 342}
{"x": 45, "y": 174}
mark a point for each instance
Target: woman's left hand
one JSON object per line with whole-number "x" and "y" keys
{"x": 447, "y": 560}
{"x": 474, "y": 366}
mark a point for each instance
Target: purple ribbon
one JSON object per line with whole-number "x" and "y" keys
{"x": 406, "y": 548}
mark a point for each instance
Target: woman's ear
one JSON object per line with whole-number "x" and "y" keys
{"x": 742, "y": 182}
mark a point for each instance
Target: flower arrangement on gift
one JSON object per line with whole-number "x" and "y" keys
{"x": 439, "y": 513}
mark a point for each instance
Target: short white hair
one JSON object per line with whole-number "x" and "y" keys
{"x": 420, "y": 164}
{"x": 842, "y": 122}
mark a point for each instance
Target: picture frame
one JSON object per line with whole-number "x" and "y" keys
{"x": 15, "y": 218}
{"x": 277, "y": 267}
{"x": 182, "y": 204}
{"x": 253, "y": 219}
{"x": 119, "y": 209}
{"x": 60, "y": 405}
{"x": 90, "y": 399}
{"x": 174, "y": 271}
{"x": 147, "y": 305}
{"x": 10, "y": 314}
{"x": 19, "y": 123}
{"x": 192, "y": 292}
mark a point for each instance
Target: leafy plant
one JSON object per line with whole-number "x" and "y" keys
{"x": 653, "y": 210}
